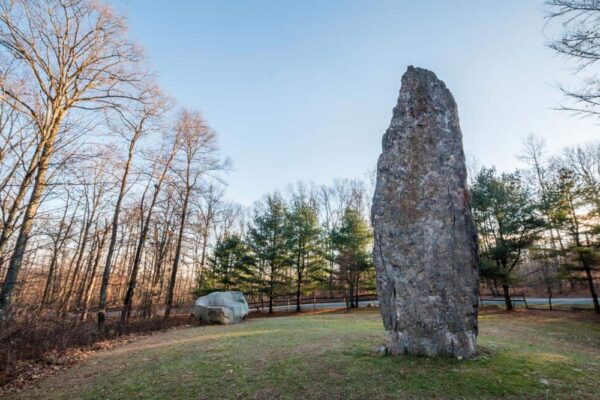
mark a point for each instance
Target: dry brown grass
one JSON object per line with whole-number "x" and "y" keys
{"x": 31, "y": 347}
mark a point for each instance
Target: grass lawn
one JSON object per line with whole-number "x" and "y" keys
{"x": 331, "y": 356}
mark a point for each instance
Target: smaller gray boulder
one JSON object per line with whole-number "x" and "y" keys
{"x": 221, "y": 308}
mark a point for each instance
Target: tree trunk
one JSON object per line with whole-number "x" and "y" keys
{"x": 350, "y": 294}
{"x": 66, "y": 304}
{"x": 356, "y": 292}
{"x": 161, "y": 251}
{"x": 16, "y": 260}
{"x": 49, "y": 280}
{"x": 53, "y": 262}
{"x": 88, "y": 271}
{"x": 590, "y": 281}
{"x": 298, "y": 289}
{"x": 507, "y": 301}
{"x": 112, "y": 243}
{"x": 494, "y": 288}
{"x": 14, "y": 210}
{"x": 205, "y": 233}
{"x": 173, "y": 279}
{"x": 126, "y": 311}
{"x": 88, "y": 290}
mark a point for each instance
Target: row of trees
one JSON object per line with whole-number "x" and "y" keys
{"x": 111, "y": 196}
{"x": 316, "y": 240}
{"x": 539, "y": 229}
{"x": 101, "y": 178}
{"x": 542, "y": 222}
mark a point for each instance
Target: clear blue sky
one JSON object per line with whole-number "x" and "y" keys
{"x": 303, "y": 90}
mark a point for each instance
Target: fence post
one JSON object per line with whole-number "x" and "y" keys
{"x": 288, "y": 305}
{"x": 314, "y": 302}
{"x": 524, "y": 301}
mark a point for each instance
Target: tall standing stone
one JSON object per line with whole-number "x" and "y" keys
{"x": 426, "y": 253}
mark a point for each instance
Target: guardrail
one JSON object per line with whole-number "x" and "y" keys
{"x": 513, "y": 299}
{"x": 290, "y": 302}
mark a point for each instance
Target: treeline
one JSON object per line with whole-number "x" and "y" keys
{"x": 541, "y": 225}
{"x": 108, "y": 191}
{"x": 539, "y": 231}
{"x": 112, "y": 197}
{"x": 316, "y": 239}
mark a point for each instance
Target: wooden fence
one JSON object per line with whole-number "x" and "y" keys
{"x": 290, "y": 302}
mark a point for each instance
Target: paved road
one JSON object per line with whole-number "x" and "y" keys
{"x": 578, "y": 301}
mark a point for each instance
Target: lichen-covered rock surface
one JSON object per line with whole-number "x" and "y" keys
{"x": 221, "y": 308}
{"x": 425, "y": 251}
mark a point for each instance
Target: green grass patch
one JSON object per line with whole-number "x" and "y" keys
{"x": 523, "y": 355}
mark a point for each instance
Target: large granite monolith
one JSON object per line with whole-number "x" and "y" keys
{"x": 425, "y": 252}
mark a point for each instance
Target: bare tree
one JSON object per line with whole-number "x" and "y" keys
{"x": 100, "y": 237}
{"x": 59, "y": 241}
{"x": 198, "y": 158}
{"x": 579, "y": 42}
{"x": 93, "y": 191}
{"x": 584, "y": 162}
{"x": 164, "y": 163}
{"x": 550, "y": 262}
{"x": 208, "y": 207}
{"x": 162, "y": 239}
{"x": 17, "y": 168}
{"x": 77, "y": 56}
{"x": 134, "y": 123}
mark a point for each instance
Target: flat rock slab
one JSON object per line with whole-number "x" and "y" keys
{"x": 425, "y": 251}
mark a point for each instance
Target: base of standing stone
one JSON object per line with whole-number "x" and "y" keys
{"x": 443, "y": 344}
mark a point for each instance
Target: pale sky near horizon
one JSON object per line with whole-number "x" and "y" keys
{"x": 304, "y": 90}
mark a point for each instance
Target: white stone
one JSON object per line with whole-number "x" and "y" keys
{"x": 221, "y": 307}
